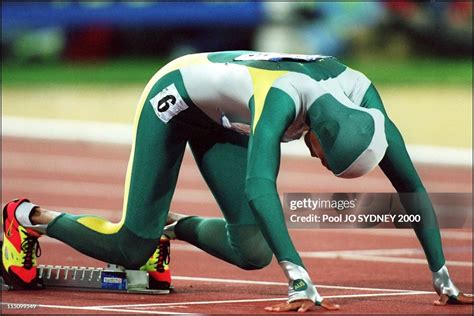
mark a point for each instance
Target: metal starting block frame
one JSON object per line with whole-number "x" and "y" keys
{"x": 113, "y": 278}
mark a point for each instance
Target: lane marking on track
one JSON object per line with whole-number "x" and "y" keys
{"x": 137, "y": 307}
{"x": 376, "y": 255}
{"x": 373, "y": 252}
{"x": 446, "y": 234}
{"x": 356, "y": 257}
{"x": 116, "y": 133}
{"x": 250, "y": 300}
{"x": 64, "y": 164}
{"x": 380, "y": 294}
{"x": 23, "y": 162}
{"x": 99, "y": 309}
{"x": 254, "y": 282}
{"x": 120, "y": 308}
{"x": 95, "y": 166}
{"x": 151, "y": 305}
{"x": 94, "y": 190}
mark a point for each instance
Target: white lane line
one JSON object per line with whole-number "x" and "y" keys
{"x": 348, "y": 256}
{"x": 100, "y": 309}
{"x": 71, "y": 165}
{"x": 61, "y": 164}
{"x": 425, "y": 154}
{"x": 380, "y": 294}
{"x": 94, "y": 190}
{"x": 136, "y": 308}
{"x": 117, "y": 133}
{"x": 369, "y": 252}
{"x": 445, "y": 233}
{"x": 76, "y": 188}
{"x": 253, "y": 282}
{"x": 84, "y": 165}
{"x": 376, "y": 255}
{"x": 256, "y": 300}
{"x": 57, "y": 129}
{"x": 251, "y": 300}
{"x": 357, "y": 255}
{"x": 84, "y": 210}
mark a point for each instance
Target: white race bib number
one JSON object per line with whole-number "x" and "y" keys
{"x": 168, "y": 103}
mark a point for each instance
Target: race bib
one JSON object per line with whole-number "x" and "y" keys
{"x": 278, "y": 57}
{"x": 168, "y": 103}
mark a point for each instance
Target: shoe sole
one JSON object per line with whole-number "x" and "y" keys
{"x": 158, "y": 285}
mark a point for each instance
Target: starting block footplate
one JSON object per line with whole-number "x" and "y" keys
{"x": 111, "y": 279}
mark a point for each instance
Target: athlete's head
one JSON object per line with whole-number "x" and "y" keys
{"x": 349, "y": 141}
{"x": 315, "y": 148}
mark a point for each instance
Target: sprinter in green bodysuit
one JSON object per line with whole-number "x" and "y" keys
{"x": 234, "y": 109}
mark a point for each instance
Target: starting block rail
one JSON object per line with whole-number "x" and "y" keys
{"x": 111, "y": 279}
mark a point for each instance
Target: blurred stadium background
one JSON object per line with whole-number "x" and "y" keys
{"x": 74, "y": 70}
{"x": 81, "y": 65}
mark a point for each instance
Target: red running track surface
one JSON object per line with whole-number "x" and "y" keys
{"x": 88, "y": 178}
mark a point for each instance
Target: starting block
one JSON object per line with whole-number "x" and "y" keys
{"x": 113, "y": 278}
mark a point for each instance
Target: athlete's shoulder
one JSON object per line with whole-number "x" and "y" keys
{"x": 184, "y": 61}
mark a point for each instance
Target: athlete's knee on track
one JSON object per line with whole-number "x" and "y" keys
{"x": 249, "y": 243}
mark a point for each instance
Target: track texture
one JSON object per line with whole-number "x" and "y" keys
{"x": 88, "y": 178}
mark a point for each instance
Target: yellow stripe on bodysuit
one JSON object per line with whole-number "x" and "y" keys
{"x": 99, "y": 224}
{"x": 262, "y": 81}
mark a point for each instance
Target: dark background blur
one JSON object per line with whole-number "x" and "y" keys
{"x": 98, "y": 31}
{"x": 89, "y": 60}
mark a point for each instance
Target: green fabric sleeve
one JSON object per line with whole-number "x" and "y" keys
{"x": 263, "y": 165}
{"x": 399, "y": 169}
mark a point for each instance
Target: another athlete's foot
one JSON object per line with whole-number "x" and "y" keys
{"x": 20, "y": 249}
{"x": 159, "y": 274}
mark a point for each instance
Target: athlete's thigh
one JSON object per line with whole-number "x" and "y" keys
{"x": 154, "y": 163}
{"x": 222, "y": 160}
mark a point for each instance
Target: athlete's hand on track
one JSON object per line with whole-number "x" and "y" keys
{"x": 461, "y": 299}
{"x": 300, "y": 306}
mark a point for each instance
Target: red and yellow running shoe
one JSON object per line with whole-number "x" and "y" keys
{"x": 158, "y": 266}
{"x": 19, "y": 250}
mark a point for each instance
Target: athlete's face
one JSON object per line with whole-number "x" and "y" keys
{"x": 315, "y": 147}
